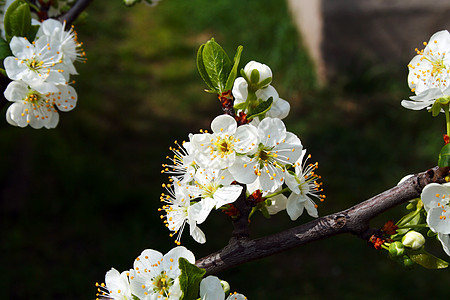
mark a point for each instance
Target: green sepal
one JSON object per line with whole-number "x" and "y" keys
{"x": 135, "y": 297}
{"x": 254, "y": 76}
{"x": 435, "y": 108}
{"x": 202, "y": 70}
{"x": 261, "y": 109}
{"x": 217, "y": 65}
{"x": 426, "y": 260}
{"x": 190, "y": 279}
{"x": 410, "y": 206}
{"x": 241, "y": 105}
{"x": 17, "y": 21}
{"x": 233, "y": 72}
{"x": 264, "y": 211}
{"x": 413, "y": 218}
{"x": 443, "y": 100}
{"x": 244, "y": 75}
{"x": 444, "y": 156}
{"x": 5, "y": 51}
{"x": 430, "y": 233}
{"x": 3, "y": 72}
{"x": 265, "y": 82}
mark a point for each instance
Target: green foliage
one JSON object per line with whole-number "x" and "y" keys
{"x": 214, "y": 64}
{"x": 426, "y": 259}
{"x": 190, "y": 278}
{"x": 17, "y": 20}
{"x": 5, "y": 51}
{"x": 233, "y": 74}
{"x": 444, "y": 156}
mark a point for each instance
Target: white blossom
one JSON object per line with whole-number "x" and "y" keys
{"x": 156, "y": 276}
{"x": 214, "y": 185}
{"x": 180, "y": 211}
{"x": 35, "y": 109}
{"x": 38, "y": 64}
{"x": 277, "y": 148}
{"x": 69, "y": 47}
{"x": 258, "y": 74}
{"x": 219, "y": 149}
{"x": 303, "y": 184}
{"x": 117, "y": 286}
{"x": 435, "y": 198}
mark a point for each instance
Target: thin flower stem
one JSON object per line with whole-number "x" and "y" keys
{"x": 447, "y": 118}
{"x": 286, "y": 189}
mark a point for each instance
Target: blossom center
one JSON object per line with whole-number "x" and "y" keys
{"x": 162, "y": 283}
{"x": 35, "y": 65}
{"x": 223, "y": 145}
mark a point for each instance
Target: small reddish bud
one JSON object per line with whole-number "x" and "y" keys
{"x": 446, "y": 139}
{"x": 390, "y": 228}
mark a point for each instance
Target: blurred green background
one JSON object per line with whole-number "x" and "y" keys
{"x": 82, "y": 198}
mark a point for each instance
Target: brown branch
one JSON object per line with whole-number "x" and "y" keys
{"x": 75, "y": 11}
{"x": 354, "y": 220}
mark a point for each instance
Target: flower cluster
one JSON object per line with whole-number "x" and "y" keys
{"x": 158, "y": 276}
{"x": 429, "y": 72}
{"x": 213, "y": 169}
{"x": 40, "y": 72}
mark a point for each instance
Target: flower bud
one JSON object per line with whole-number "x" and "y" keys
{"x": 131, "y": 2}
{"x": 258, "y": 74}
{"x": 396, "y": 249}
{"x": 413, "y": 240}
{"x": 225, "y": 286}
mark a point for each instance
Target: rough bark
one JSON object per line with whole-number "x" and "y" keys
{"x": 355, "y": 220}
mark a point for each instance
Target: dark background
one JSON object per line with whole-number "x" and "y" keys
{"x": 82, "y": 198}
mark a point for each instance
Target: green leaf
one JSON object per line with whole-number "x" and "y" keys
{"x": 261, "y": 109}
{"x": 444, "y": 156}
{"x": 217, "y": 65}
{"x": 426, "y": 259}
{"x": 435, "y": 109}
{"x": 4, "y": 49}
{"x": 201, "y": 68}
{"x": 17, "y": 21}
{"x": 190, "y": 278}
{"x": 233, "y": 73}
{"x": 32, "y": 32}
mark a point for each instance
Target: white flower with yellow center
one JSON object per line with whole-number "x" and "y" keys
{"x": 219, "y": 149}
{"x": 35, "y": 109}
{"x": 429, "y": 72}
{"x": 435, "y": 198}
{"x": 430, "y": 68}
{"x": 276, "y": 150}
{"x": 303, "y": 184}
{"x": 214, "y": 186}
{"x": 155, "y": 276}
{"x": 117, "y": 286}
{"x": 181, "y": 210}
{"x": 69, "y": 47}
{"x": 38, "y": 64}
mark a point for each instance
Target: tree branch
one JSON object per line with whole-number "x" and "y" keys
{"x": 354, "y": 220}
{"x": 75, "y": 11}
